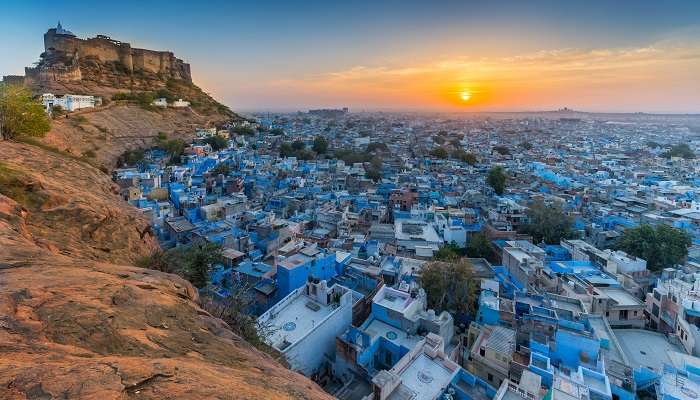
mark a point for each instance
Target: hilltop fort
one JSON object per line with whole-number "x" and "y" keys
{"x": 101, "y": 62}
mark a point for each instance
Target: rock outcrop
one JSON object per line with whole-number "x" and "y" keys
{"x": 77, "y": 321}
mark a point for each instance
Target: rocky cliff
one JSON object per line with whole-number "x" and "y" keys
{"x": 77, "y": 321}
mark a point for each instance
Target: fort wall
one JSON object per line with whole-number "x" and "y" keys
{"x": 107, "y": 50}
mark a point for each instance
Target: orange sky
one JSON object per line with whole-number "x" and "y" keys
{"x": 541, "y": 80}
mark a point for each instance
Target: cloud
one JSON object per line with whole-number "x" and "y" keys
{"x": 520, "y": 81}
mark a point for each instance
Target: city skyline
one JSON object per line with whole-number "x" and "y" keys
{"x": 454, "y": 57}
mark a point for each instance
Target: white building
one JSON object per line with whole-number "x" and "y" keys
{"x": 160, "y": 102}
{"x": 303, "y": 325}
{"x": 69, "y": 102}
{"x": 424, "y": 373}
{"x": 179, "y": 103}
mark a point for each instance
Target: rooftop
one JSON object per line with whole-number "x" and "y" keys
{"x": 377, "y": 328}
{"x": 646, "y": 348}
{"x": 393, "y": 299}
{"x": 620, "y": 296}
{"x": 295, "y": 320}
{"x": 424, "y": 379}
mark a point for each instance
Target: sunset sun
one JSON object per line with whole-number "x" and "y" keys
{"x": 465, "y": 96}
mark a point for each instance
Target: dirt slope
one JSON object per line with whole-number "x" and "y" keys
{"x": 76, "y": 321}
{"x": 107, "y": 132}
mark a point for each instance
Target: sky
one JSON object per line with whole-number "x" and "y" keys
{"x": 470, "y": 56}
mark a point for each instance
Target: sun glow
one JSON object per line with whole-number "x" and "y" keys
{"x": 465, "y": 96}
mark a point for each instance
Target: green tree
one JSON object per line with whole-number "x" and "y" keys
{"x": 377, "y": 146}
{"x": 298, "y": 145}
{"x": 680, "y": 150}
{"x": 276, "y": 131}
{"x": 320, "y": 145}
{"x": 20, "y": 115}
{"x": 479, "y": 246}
{"x": 497, "y": 178}
{"x": 465, "y": 157}
{"x": 199, "y": 261}
{"x": 192, "y": 262}
{"x": 174, "y": 147}
{"x": 526, "y": 145}
{"x": 286, "y": 150}
{"x": 448, "y": 252}
{"x": 548, "y": 223}
{"x": 220, "y": 168}
{"x": 502, "y": 150}
{"x": 216, "y": 142}
{"x": 438, "y": 139}
{"x": 243, "y": 130}
{"x": 305, "y": 155}
{"x": 450, "y": 286}
{"x": 661, "y": 247}
{"x": 131, "y": 157}
{"x": 373, "y": 174}
{"x": 439, "y": 152}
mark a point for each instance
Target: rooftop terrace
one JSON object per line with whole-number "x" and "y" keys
{"x": 295, "y": 319}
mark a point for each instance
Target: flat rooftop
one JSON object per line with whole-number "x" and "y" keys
{"x": 676, "y": 386}
{"x": 294, "y": 261}
{"x": 620, "y": 295}
{"x": 296, "y": 319}
{"x": 425, "y": 378}
{"x": 646, "y": 348}
{"x": 377, "y": 328}
{"x": 603, "y": 331}
{"x": 393, "y": 299}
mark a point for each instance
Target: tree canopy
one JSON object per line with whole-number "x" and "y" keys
{"x": 220, "y": 168}
{"x": 450, "y": 286}
{"x": 465, "y": 157}
{"x": 216, "y": 142}
{"x": 502, "y": 150}
{"x": 680, "y": 150}
{"x": 320, "y": 145}
{"x": 20, "y": 115}
{"x": 193, "y": 262}
{"x": 479, "y": 246}
{"x": 243, "y": 130}
{"x": 548, "y": 223}
{"x": 439, "y": 152}
{"x": 661, "y": 247}
{"x": 448, "y": 252}
{"x": 496, "y": 178}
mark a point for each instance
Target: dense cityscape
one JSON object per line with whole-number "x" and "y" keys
{"x": 366, "y": 200}
{"x": 443, "y": 256}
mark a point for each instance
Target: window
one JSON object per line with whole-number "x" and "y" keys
{"x": 490, "y": 378}
{"x": 482, "y": 352}
{"x": 655, "y": 310}
{"x": 623, "y": 314}
{"x": 657, "y": 295}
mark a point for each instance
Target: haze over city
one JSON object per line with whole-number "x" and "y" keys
{"x": 626, "y": 56}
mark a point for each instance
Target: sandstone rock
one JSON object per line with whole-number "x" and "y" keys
{"x": 77, "y": 322}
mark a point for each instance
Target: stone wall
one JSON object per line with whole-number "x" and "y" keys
{"x": 107, "y": 50}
